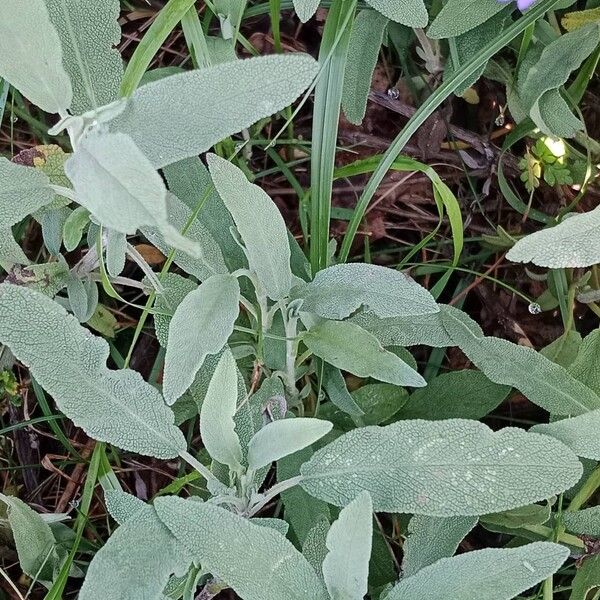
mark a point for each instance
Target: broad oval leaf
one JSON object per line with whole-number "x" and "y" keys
{"x": 346, "y": 566}
{"x": 260, "y": 224}
{"x": 282, "y": 437}
{"x": 411, "y": 13}
{"x": 459, "y": 16}
{"x": 336, "y": 292}
{"x": 351, "y": 348}
{"x": 69, "y": 362}
{"x": 257, "y": 562}
{"x": 141, "y": 555}
{"x": 201, "y": 325}
{"x": 490, "y": 574}
{"x": 89, "y": 31}
{"x": 217, "y": 426}
{"x": 31, "y": 55}
{"x": 115, "y": 181}
{"x": 305, "y": 9}
{"x": 441, "y": 468}
{"x": 184, "y": 115}
{"x": 583, "y": 522}
{"x": 575, "y": 242}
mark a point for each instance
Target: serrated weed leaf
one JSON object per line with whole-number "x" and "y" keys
{"x": 337, "y": 292}
{"x": 257, "y": 562}
{"x": 441, "y": 468}
{"x": 260, "y": 225}
{"x": 201, "y": 325}
{"x": 346, "y": 566}
{"x": 490, "y": 574}
{"x": 69, "y": 362}
{"x": 31, "y": 56}
{"x": 217, "y": 426}
{"x": 282, "y": 437}
{"x": 184, "y": 115}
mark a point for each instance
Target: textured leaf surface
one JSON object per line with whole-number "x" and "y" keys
{"x": 88, "y": 31}
{"x": 586, "y": 579}
{"x": 408, "y": 12}
{"x": 464, "y": 394}
{"x": 459, "y": 16}
{"x": 579, "y": 433}
{"x": 201, "y": 325}
{"x": 305, "y": 9}
{"x": 337, "y": 392}
{"x": 543, "y": 382}
{"x": 69, "y": 362}
{"x": 584, "y": 522}
{"x": 585, "y": 367}
{"x": 490, "y": 574}
{"x": 346, "y": 566}
{"x": 217, "y": 426}
{"x": 33, "y": 537}
{"x": 24, "y": 190}
{"x": 31, "y": 55}
{"x": 175, "y": 289}
{"x": 363, "y": 51}
{"x": 260, "y": 224}
{"x": 184, "y": 115}
{"x": 257, "y": 562}
{"x": 441, "y": 468}
{"x": 575, "y": 242}
{"x": 140, "y": 556}
{"x": 351, "y": 348}
{"x": 432, "y": 538}
{"x": 285, "y": 436}
{"x": 119, "y": 186}
{"x": 336, "y": 292}
{"x": 122, "y": 506}
{"x": 314, "y": 547}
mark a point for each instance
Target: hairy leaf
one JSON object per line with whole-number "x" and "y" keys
{"x": 441, "y": 468}
{"x": 122, "y": 506}
{"x": 217, "y": 426}
{"x": 490, "y": 574}
{"x": 459, "y": 16}
{"x": 586, "y": 579}
{"x": 118, "y": 407}
{"x": 351, "y": 348}
{"x": 411, "y": 13}
{"x": 201, "y": 325}
{"x": 88, "y": 31}
{"x": 585, "y": 366}
{"x": 285, "y": 436}
{"x": 305, "y": 9}
{"x": 432, "y": 538}
{"x": 31, "y": 57}
{"x": 257, "y": 562}
{"x": 337, "y": 392}
{"x": 336, "y": 292}
{"x": 346, "y": 566}
{"x": 260, "y": 224}
{"x": 183, "y": 115}
{"x": 583, "y": 522}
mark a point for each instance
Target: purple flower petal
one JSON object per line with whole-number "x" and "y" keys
{"x": 524, "y": 4}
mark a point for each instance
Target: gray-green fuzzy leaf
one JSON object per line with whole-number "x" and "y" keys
{"x": 184, "y": 115}
{"x": 260, "y": 224}
{"x": 31, "y": 55}
{"x": 136, "y": 562}
{"x": 575, "y": 242}
{"x": 217, "y": 426}
{"x": 257, "y": 562}
{"x": 89, "y": 31}
{"x": 583, "y": 522}
{"x": 346, "y": 566}
{"x": 338, "y": 291}
{"x": 441, "y": 468}
{"x": 411, "y": 13}
{"x": 459, "y": 16}
{"x": 585, "y": 366}
{"x": 351, "y": 348}
{"x": 490, "y": 574}
{"x": 122, "y": 506}
{"x": 201, "y": 325}
{"x": 363, "y": 51}
{"x": 69, "y": 362}
{"x": 285, "y": 436}
{"x": 432, "y": 538}
{"x": 305, "y": 9}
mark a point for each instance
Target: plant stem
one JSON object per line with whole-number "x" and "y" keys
{"x": 588, "y": 489}
{"x": 273, "y": 492}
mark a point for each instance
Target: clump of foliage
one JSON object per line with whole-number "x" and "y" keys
{"x": 256, "y": 338}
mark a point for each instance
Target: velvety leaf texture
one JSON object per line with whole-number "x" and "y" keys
{"x": 459, "y": 16}
{"x": 69, "y": 362}
{"x": 411, "y": 13}
{"x": 183, "y": 115}
{"x": 584, "y": 522}
{"x": 441, "y": 468}
{"x": 305, "y": 9}
{"x": 336, "y": 292}
{"x": 257, "y": 562}
{"x": 31, "y": 55}
{"x": 490, "y": 574}
{"x": 89, "y": 31}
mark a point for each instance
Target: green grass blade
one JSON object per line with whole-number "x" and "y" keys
{"x": 429, "y": 107}
{"x": 328, "y": 98}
